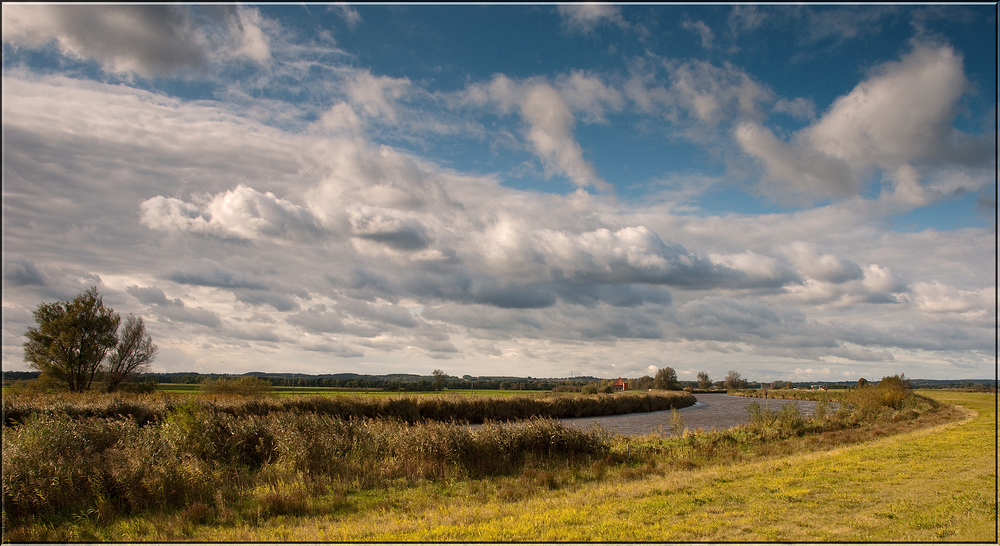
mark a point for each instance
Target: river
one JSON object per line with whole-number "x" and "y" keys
{"x": 718, "y": 411}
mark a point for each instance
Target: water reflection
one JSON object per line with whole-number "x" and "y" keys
{"x": 718, "y": 411}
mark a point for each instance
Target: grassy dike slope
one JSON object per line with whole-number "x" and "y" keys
{"x": 936, "y": 484}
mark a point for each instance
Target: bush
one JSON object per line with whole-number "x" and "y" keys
{"x": 888, "y": 393}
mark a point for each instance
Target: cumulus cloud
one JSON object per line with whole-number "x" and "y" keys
{"x": 845, "y": 287}
{"x": 145, "y": 40}
{"x": 824, "y": 267}
{"x": 937, "y": 298}
{"x": 631, "y": 255}
{"x": 383, "y": 227}
{"x": 899, "y": 121}
{"x": 240, "y": 213}
{"x": 901, "y": 114}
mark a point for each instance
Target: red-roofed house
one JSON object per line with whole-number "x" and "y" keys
{"x": 620, "y": 385}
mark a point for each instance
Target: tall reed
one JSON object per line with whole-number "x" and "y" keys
{"x": 446, "y": 408}
{"x": 57, "y": 466}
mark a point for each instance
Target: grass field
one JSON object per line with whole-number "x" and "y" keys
{"x": 933, "y": 484}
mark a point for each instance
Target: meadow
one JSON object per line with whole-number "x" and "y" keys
{"x": 226, "y": 470}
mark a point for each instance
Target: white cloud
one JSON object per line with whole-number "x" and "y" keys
{"x": 377, "y": 95}
{"x": 551, "y": 136}
{"x": 340, "y": 118}
{"x": 899, "y": 121}
{"x": 936, "y": 297}
{"x": 550, "y": 118}
{"x": 802, "y": 169}
{"x": 585, "y": 18}
{"x": 232, "y": 235}
{"x": 241, "y": 213}
{"x": 703, "y": 30}
{"x": 350, "y": 15}
{"x": 823, "y": 267}
{"x": 695, "y": 97}
{"x": 901, "y": 114}
{"x": 589, "y": 95}
{"x": 798, "y": 107}
{"x": 145, "y": 40}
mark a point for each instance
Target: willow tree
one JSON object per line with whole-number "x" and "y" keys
{"x": 666, "y": 378}
{"x": 72, "y": 339}
{"x": 132, "y": 356}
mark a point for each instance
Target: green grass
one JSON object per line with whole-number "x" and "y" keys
{"x": 933, "y": 484}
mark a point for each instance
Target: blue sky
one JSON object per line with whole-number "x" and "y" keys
{"x": 794, "y": 192}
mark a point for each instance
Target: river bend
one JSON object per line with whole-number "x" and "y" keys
{"x": 718, "y": 411}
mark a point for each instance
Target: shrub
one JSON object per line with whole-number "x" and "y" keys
{"x": 888, "y": 393}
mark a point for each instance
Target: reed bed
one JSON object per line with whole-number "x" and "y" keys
{"x": 155, "y": 407}
{"x": 59, "y": 466}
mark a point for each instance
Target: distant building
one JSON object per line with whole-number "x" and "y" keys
{"x": 620, "y": 385}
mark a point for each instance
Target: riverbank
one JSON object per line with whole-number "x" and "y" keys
{"x": 711, "y": 411}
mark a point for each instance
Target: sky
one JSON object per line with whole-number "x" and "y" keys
{"x": 792, "y": 192}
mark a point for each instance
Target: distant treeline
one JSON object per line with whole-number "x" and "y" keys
{"x": 414, "y": 382}
{"x": 391, "y": 382}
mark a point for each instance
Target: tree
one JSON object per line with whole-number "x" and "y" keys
{"x": 439, "y": 377}
{"x": 703, "y": 380}
{"x": 644, "y": 383}
{"x": 666, "y": 379}
{"x": 72, "y": 339}
{"x": 734, "y": 381}
{"x": 132, "y": 356}
{"x": 862, "y": 382}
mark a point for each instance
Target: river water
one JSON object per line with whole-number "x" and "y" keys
{"x": 718, "y": 411}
